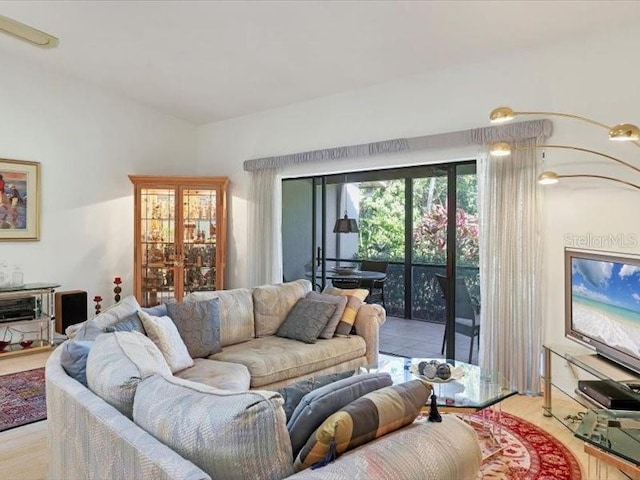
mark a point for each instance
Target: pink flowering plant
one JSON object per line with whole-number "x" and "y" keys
{"x": 430, "y": 236}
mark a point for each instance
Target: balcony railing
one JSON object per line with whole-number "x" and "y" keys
{"x": 427, "y": 302}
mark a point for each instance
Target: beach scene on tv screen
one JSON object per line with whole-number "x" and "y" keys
{"x": 605, "y": 301}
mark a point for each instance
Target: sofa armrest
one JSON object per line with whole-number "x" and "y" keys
{"x": 368, "y": 321}
{"x": 90, "y": 439}
{"x": 424, "y": 449}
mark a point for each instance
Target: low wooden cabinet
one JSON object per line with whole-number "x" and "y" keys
{"x": 179, "y": 236}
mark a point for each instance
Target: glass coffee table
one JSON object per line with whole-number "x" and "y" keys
{"x": 472, "y": 393}
{"x": 476, "y": 390}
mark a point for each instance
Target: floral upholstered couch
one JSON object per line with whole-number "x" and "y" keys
{"x": 141, "y": 417}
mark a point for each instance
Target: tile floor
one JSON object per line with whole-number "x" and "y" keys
{"x": 414, "y": 338}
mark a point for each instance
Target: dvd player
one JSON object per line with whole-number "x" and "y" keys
{"x": 610, "y": 394}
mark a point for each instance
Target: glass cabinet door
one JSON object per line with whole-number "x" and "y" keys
{"x": 199, "y": 238}
{"x": 158, "y": 245}
{"x": 180, "y": 229}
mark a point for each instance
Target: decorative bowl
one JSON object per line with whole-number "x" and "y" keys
{"x": 4, "y": 344}
{"x": 26, "y": 343}
{"x": 345, "y": 270}
{"x": 456, "y": 374}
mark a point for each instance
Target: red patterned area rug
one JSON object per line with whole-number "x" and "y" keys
{"x": 22, "y": 399}
{"x": 528, "y": 452}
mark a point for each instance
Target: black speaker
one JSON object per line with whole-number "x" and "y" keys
{"x": 71, "y": 308}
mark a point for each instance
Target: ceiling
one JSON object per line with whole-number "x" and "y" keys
{"x": 206, "y": 61}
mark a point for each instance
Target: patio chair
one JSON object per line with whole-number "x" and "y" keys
{"x": 467, "y": 313}
{"x": 376, "y": 287}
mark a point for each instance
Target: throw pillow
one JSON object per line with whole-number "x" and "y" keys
{"x": 157, "y": 311}
{"x": 293, "y": 393}
{"x": 316, "y": 406}
{"x": 355, "y": 300}
{"x": 95, "y": 326}
{"x": 229, "y": 435}
{"x": 272, "y": 303}
{"x": 73, "y": 359}
{"x": 306, "y": 320}
{"x": 117, "y": 362}
{"x": 163, "y": 332}
{"x": 340, "y": 301}
{"x": 369, "y": 417}
{"x": 130, "y": 323}
{"x": 199, "y": 325}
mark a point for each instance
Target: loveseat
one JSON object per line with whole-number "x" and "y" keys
{"x": 150, "y": 423}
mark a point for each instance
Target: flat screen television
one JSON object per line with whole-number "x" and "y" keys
{"x": 602, "y": 304}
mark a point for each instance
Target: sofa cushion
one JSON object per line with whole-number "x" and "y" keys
{"x": 293, "y": 393}
{"x": 229, "y": 435}
{"x": 356, "y": 297}
{"x": 73, "y": 359}
{"x": 130, "y": 323}
{"x": 223, "y": 375}
{"x": 199, "y": 325}
{"x": 306, "y": 320}
{"x": 316, "y": 406}
{"x": 271, "y": 359}
{"x": 272, "y": 303}
{"x": 95, "y": 326}
{"x": 340, "y": 301}
{"x": 117, "y": 362}
{"x": 163, "y": 332}
{"x": 369, "y": 417}
{"x": 236, "y": 313}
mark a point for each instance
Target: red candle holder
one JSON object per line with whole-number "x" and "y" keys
{"x": 97, "y": 299}
{"x": 117, "y": 288}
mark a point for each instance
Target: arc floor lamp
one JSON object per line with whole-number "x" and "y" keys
{"x": 624, "y": 132}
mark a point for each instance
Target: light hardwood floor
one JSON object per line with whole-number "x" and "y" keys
{"x": 23, "y": 449}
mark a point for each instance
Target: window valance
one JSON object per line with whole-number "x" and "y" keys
{"x": 477, "y": 136}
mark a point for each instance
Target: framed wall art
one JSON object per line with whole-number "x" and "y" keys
{"x": 19, "y": 200}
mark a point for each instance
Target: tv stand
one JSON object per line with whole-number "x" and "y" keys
{"x": 613, "y": 431}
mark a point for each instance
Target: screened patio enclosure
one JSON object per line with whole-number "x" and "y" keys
{"x": 408, "y": 218}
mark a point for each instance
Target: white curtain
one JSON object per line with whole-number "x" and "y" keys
{"x": 265, "y": 232}
{"x": 510, "y": 214}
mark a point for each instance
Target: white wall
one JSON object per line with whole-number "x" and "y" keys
{"x": 87, "y": 142}
{"x": 591, "y": 76}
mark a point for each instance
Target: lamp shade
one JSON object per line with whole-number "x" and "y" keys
{"x": 625, "y": 132}
{"x": 501, "y": 115}
{"x": 346, "y": 225}
{"x": 500, "y": 149}
{"x": 548, "y": 178}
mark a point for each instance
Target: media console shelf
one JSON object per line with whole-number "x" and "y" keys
{"x": 27, "y": 332}
{"x": 614, "y": 432}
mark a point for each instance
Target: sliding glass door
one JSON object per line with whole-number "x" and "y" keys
{"x": 418, "y": 224}
{"x": 298, "y": 220}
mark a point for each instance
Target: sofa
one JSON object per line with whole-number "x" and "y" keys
{"x": 252, "y": 355}
{"x": 250, "y": 319}
{"x": 221, "y": 418}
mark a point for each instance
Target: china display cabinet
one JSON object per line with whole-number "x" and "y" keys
{"x": 180, "y": 236}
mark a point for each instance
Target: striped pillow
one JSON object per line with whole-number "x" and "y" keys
{"x": 371, "y": 416}
{"x": 355, "y": 300}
